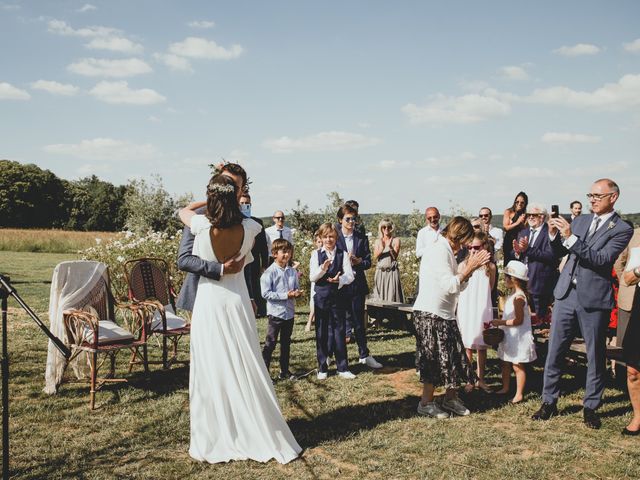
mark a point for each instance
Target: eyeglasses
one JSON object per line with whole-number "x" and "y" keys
{"x": 474, "y": 247}
{"x": 278, "y": 218}
{"x": 484, "y": 215}
{"x": 598, "y": 196}
{"x": 349, "y": 219}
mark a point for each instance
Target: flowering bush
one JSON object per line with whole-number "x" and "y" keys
{"x": 128, "y": 246}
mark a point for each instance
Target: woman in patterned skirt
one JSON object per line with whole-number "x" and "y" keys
{"x": 443, "y": 361}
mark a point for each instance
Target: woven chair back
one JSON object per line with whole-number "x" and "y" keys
{"x": 99, "y": 298}
{"x": 148, "y": 279}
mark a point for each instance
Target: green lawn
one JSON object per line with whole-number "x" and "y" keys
{"x": 366, "y": 428}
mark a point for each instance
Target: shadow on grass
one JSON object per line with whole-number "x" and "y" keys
{"x": 344, "y": 422}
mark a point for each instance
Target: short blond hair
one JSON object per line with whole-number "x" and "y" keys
{"x": 326, "y": 228}
{"x": 385, "y": 222}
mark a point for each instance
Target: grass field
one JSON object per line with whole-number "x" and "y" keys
{"x": 366, "y": 428}
{"x": 50, "y": 241}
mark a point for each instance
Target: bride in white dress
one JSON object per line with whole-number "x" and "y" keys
{"x": 234, "y": 410}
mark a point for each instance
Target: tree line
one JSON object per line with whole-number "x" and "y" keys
{"x": 31, "y": 197}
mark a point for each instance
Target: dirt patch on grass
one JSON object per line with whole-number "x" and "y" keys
{"x": 403, "y": 382}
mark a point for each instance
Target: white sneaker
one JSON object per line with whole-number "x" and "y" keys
{"x": 346, "y": 375}
{"x": 431, "y": 409}
{"x": 370, "y": 362}
{"x": 455, "y": 406}
{"x": 321, "y": 376}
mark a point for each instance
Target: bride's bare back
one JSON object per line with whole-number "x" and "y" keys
{"x": 226, "y": 242}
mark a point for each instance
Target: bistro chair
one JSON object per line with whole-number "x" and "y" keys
{"x": 149, "y": 283}
{"x": 91, "y": 328}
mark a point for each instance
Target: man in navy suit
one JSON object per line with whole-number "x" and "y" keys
{"x": 584, "y": 295}
{"x": 197, "y": 267}
{"x": 357, "y": 246}
{"x": 533, "y": 247}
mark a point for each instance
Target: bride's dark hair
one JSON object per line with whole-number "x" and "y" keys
{"x": 223, "y": 210}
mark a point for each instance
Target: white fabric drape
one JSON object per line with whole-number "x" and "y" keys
{"x": 71, "y": 283}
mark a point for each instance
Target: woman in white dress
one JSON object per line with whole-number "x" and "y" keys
{"x": 234, "y": 410}
{"x": 475, "y": 309}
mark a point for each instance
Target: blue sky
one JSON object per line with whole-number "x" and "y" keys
{"x": 389, "y": 103}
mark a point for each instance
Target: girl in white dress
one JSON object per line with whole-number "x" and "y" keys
{"x": 518, "y": 346}
{"x": 234, "y": 410}
{"x": 475, "y": 308}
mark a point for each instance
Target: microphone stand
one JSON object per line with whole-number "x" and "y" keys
{"x": 7, "y": 289}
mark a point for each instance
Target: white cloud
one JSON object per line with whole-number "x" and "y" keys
{"x": 9, "y": 7}
{"x": 577, "y": 50}
{"x": 115, "y": 44}
{"x": 120, "y": 93}
{"x": 530, "y": 172}
{"x": 471, "y": 108}
{"x": 87, "y": 7}
{"x": 104, "y": 149}
{"x": 393, "y": 164}
{"x": 320, "y": 142}
{"x": 195, "y": 47}
{"x": 633, "y": 47}
{"x": 94, "y": 67}
{"x": 623, "y": 95}
{"x": 9, "y": 92}
{"x": 174, "y": 62}
{"x": 154, "y": 119}
{"x": 55, "y": 88}
{"x": 60, "y": 27}
{"x": 203, "y": 24}
{"x": 563, "y": 137}
{"x": 513, "y": 72}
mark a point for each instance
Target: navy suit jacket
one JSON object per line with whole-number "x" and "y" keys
{"x": 360, "y": 249}
{"x": 591, "y": 261}
{"x": 541, "y": 261}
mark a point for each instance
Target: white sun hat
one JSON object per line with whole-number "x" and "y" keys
{"x": 517, "y": 269}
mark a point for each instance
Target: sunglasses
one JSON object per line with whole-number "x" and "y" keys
{"x": 474, "y": 247}
{"x": 349, "y": 219}
{"x": 476, "y": 226}
{"x": 484, "y": 215}
{"x": 278, "y": 218}
{"x": 385, "y": 227}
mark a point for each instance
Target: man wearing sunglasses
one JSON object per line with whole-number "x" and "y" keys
{"x": 357, "y": 246}
{"x": 584, "y": 295}
{"x": 495, "y": 233}
{"x": 533, "y": 247}
{"x": 278, "y": 230}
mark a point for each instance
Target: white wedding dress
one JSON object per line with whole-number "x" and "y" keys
{"x": 234, "y": 410}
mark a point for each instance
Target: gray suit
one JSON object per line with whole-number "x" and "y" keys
{"x": 195, "y": 268}
{"x": 584, "y": 299}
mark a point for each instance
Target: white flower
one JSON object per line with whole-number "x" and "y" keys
{"x": 120, "y": 258}
{"x": 98, "y": 240}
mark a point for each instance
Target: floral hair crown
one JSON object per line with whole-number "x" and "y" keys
{"x": 220, "y": 188}
{"x": 218, "y": 168}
